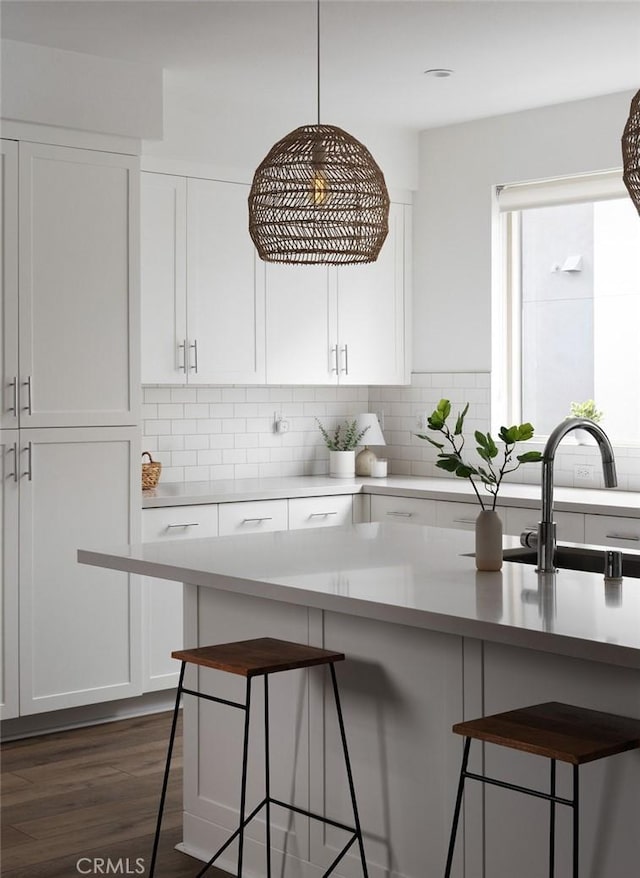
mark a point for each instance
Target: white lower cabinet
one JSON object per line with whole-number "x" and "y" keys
{"x": 320, "y": 511}
{"x": 252, "y": 516}
{"x": 411, "y": 510}
{"x": 9, "y": 702}
{"x": 163, "y": 598}
{"x": 612, "y": 530}
{"x": 79, "y": 626}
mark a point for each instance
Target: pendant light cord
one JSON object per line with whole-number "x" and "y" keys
{"x": 318, "y": 53}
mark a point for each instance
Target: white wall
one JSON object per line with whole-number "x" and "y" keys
{"x": 458, "y": 165}
{"x": 83, "y": 92}
{"x": 232, "y": 139}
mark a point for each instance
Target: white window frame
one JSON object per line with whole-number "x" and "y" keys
{"x": 506, "y": 323}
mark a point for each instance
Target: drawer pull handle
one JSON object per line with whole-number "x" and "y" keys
{"x": 251, "y": 520}
{"x": 464, "y": 521}
{"x": 400, "y": 514}
{"x": 620, "y": 537}
{"x": 321, "y": 514}
{"x": 186, "y": 524}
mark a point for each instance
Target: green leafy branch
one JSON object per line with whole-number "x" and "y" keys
{"x": 491, "y": 472}
{"x": 345, "y": 437}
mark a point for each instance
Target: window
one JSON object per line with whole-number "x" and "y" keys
{"x": 567, "y": 303}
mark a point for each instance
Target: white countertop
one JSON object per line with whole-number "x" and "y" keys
{"x": 417, "y": 576}
{"x": 601, "y": 502}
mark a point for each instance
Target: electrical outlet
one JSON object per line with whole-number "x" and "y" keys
{"x": 583, "y": 472}
{"x": 422, "y": 421}
{"x": 380, "y": 417}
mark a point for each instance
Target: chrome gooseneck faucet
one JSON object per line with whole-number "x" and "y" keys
{"x": 547, "y": 527}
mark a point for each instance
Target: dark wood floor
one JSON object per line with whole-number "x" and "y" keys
{"x": 91, "y": 792}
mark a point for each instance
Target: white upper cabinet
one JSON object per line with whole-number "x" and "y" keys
{"x": 78, "y": 270}
{"x": 371, "y": 312}
{"x": 202, "y": 284}
{"x": 9, "y": 415}
{"x": 163, "y": 248}
{"x": 302, "y": 344}
{"x": 344, "y": 325}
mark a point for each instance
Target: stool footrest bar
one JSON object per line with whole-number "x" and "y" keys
{"x": 340, "y": 856}
{"x": 306, "y": 813}
{"x": 231, "y": 838}
{"x": 518, "y": 789}
{"x": 214, "y": 698}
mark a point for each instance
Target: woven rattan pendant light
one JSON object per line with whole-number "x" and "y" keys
{"x": 631, "y": 152}
{"x": 318, "y": 197}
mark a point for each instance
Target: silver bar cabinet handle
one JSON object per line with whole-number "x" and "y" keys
{"x": 251, "y": 520}
{"x": 620, "y": 537}
{"x": 194, "y": 348}
{"x": 334, "y": 354}
{"x": 400, "y": 514}
{"x": 29, "y": 472}
{"x": 29, "y": 408}
{"x": 464, "y": 521}
{"x": 321, "y": 514}
{"x": 183, "y": 347}
{"x": 345, "y": 350}
{"x": 14, "y": 451}
{"x": 14, "y": 408}
{"x": 186, "y": 524}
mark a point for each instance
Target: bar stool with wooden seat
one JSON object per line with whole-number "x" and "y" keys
{"x": 260, "y": 658}
{"x": 559, "y": 732}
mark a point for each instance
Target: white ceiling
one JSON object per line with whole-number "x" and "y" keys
{"x": 507, "y": 56}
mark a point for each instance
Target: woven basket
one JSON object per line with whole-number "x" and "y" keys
{"x": 150, "y": 472}
{"x": 631, "y": 152}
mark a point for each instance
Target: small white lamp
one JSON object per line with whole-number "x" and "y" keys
{"x": 373, "y": 436}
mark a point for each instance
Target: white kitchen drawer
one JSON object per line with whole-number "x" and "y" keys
{"x": 320, "y": 511}
{"x": 461, "y": 516}
{"x": 255, "y": 516}
{"x": 570, "y": 525}
{"x": 407, "y": 509}
{"x": 612, "y": 530}
{"x": 179, "y": 522}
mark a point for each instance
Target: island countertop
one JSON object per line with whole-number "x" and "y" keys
{"x": 418, "y": 576}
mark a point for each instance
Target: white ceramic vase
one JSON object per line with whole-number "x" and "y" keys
{"x": 583, "y": 437}
{"x": 342, "y": 464}
{"x": 488, "y": 540}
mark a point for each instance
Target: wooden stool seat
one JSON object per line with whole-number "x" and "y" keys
{"x": 557, "y": 731}
{"x": 263, "y": 655}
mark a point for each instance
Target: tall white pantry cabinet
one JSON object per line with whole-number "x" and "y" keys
{"x": 69, "y": 441}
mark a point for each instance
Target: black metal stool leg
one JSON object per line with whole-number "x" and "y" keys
{"x": 167, "y": 767}
{"x": 576, "y": 819}
{"x": 456, "y": 812}
{"x": 552, "y": 822}
{"x": 243, "y": 791}
{"x": 267, "y": 779}
{"x": 347, "y": 763}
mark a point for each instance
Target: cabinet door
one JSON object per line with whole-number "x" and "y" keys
{"x": 612, "y": 530}
{"x": 301, "y": 328}
{"x": 79, "y": 626}
{"x": 163, "y": 275}
{"x": 460, "y": 516}
{"x": 371, "y": 316}
{"x": 162, "y": 598}
{"x": 9, "y": 280}
{"x": 225, "y": 292}
{"x": 332, "y": 511}
{"x": 79, "y": 271}
{"x": 253, "y": 516}
{"x": 411, "y": 510}
{"x": 9, "y": 573}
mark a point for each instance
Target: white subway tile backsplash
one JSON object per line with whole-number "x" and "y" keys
{"x": 227, "y": 432}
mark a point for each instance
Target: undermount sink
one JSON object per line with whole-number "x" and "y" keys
{"x": 577, "y": 558}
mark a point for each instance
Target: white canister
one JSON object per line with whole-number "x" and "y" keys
{"x": 379, "y": 469}
{"x": 342, "y": 464}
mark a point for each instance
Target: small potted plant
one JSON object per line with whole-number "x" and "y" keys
{"x": 588, "y": 410}
{"x": 342, "y": 444}
{"x": 489, "y": 473}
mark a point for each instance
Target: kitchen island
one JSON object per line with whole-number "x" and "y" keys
{"x": 429, "y": 641}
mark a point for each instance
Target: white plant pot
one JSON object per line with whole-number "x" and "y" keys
{"x": 342, "y": 464}
{"x": 583, "y": 437}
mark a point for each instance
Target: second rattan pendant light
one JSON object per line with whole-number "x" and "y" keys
{"x": 631, "y": 152}
{"x": 318, "y": 197}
